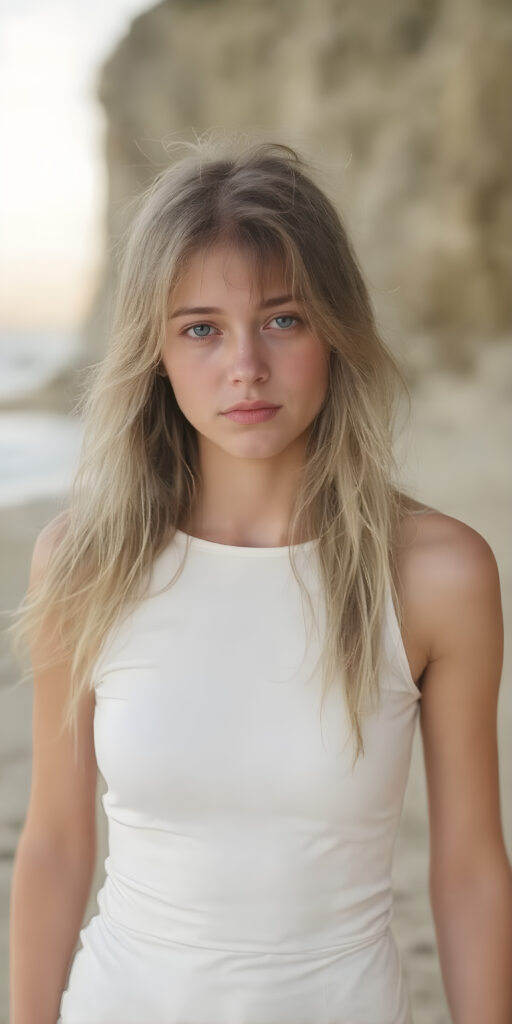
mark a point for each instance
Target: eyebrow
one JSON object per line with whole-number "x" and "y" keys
{"x": 184, "y": 311}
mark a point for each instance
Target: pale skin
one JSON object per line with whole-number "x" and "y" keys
{"x": 249, "y": 353}
{"x": 452, "y": 629}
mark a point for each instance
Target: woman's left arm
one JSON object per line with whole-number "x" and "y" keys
{"x": 470, "y": 876}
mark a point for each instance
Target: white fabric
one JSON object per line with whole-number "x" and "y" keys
{"x": 248, "y": 872}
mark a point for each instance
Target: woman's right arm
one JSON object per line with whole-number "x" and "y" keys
{"x": 56, "y": 853}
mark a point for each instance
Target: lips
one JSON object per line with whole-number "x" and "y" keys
{"x": 249, "y": 416}
{"x": 250, "y": 406}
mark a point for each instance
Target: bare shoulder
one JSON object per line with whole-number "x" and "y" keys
{"x": 51, "y": 533}
{"x": 44, "y": 545}
{"x": 444, "y": 566}
{"x": 452, "y": 599}
{"x": 61, "y": 810}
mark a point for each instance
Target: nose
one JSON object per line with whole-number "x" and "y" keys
{"x": 247, "y": 359}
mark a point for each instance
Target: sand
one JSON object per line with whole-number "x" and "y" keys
{"x": 456, "y": 451}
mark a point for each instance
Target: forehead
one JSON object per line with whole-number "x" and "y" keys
{"x": 225, "y": 268}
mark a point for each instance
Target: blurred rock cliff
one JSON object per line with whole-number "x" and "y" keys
{"x": 404, "y": 105}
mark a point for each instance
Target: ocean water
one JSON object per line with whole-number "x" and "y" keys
{"x": 38, "y": 450}
{"x": 38, "y": 455}
{"x": 30, "y": 359}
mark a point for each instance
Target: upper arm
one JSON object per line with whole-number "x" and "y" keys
{"x": 61, "y": 813}
{"x": 463, "y": 611}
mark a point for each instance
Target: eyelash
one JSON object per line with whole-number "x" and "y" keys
{"x": 206, "y": 337}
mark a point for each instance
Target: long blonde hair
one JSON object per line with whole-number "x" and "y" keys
{"x": 138, "y": 470}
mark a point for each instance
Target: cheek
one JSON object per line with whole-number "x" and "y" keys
{"x": 192, "y": 382}
{"x": 307, "y": 372}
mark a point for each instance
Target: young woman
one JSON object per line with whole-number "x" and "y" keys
{"x": 253, "y": 611}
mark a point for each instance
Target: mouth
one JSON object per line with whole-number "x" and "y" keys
{"x": 251, "y": 406}
{"x": 252, "y": 415}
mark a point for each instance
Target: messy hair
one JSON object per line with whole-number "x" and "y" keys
{"x": 138, "y": 472}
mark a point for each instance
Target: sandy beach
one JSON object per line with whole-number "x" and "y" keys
{"x": 457, "y": 449}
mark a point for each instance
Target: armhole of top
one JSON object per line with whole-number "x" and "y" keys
{"x": 399, "y": 646}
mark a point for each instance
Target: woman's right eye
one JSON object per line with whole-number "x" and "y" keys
{"x": 193, "y": 328}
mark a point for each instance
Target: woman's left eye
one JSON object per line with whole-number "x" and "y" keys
{"x": 287, "y": 316}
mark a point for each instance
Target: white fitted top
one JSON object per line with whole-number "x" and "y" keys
{"x": 248, "y": 870}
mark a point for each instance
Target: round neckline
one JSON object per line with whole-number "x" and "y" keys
{"x": 237, "y": 549}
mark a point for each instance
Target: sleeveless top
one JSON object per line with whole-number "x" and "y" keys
{"x": 248, "y": 876}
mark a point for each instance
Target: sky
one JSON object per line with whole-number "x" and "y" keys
{"x": 53, "y": 181}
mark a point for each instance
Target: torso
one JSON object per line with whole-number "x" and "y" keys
{"x": 421, "y": 533}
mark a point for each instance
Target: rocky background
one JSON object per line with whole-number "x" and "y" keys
{"x": 404, "y": 107}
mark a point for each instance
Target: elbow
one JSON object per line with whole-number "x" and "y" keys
{"x": 486, "y": 878}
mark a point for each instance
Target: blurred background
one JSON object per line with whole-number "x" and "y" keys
{"x": 405, "y": 108}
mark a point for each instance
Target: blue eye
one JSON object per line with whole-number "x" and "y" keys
{"x": 193, "y": 328}
{"x": 286, "y": 316}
